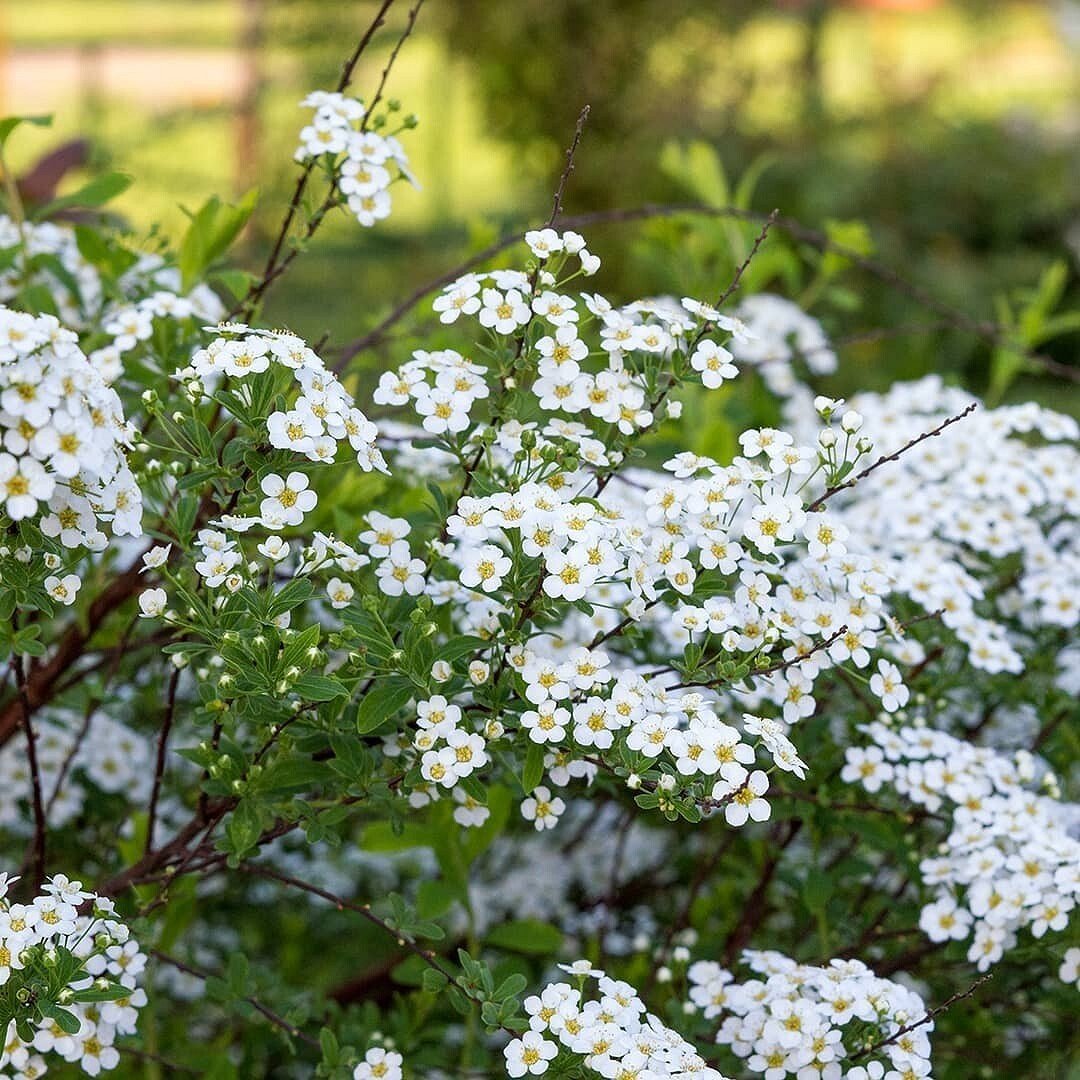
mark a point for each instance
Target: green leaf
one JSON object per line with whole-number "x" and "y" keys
{"x": 510, "y": 987}
{"x": 236, "y": 281}
{"x": 816, "y": 890}
{"x": 9, "y": 123}
{"x": 105, "y": 255}
{"x": 529, "y": 936}
{"x": 213, "y": 228}
{"x": 381, "y": 702}
{"x": 697, "y": 166}
{"x": 433, "y": 981}
{"x": 68, "y": 1022}
{"x": 295, "y": 774}
{"x": 534, "y": 767}
{"x": 292, "y": 595}
{"x": 372, "y": 635}
{"x": 97, "y": 192}
{"x": 434, "y": 899}
{"x": 465, "y": 645}
{"x": 244, "y": 827}
{"x": 319, "y": 688}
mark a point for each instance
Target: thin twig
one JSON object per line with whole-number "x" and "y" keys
{"x": 950, "y": 317}
{"x": 571, "y": 151}
{"x": 829, "y": 492}
{"x": 159, "y": 765}
{"x": 274, "y": 1018}
{"x": 726, "y": 294}
{"x": 427, "y": 956}
{"x": 948, "y": 1003}
{"x": 39, "y": 841}
{"x": 273, "y": 268}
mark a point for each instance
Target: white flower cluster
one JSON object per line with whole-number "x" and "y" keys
{"x": 633, "y": 547}
{"x": 1001, "y": 484}
{"x": 450, "y": 753}
{"x": 362, "y": 159}
{"x": 77, "y": 756}
{"x": 1009, "y": 861}
{"x": 131, "y": 324}
{"x": 64, "y": 460}
{"x": 612, "y": 1031}
{"x": 54, "y": 241}
{"x": 80, "y": 297}
{"x": 322, "y": 415}
{"x": 31, "y": 936}
{"x": 814, "y": 1023}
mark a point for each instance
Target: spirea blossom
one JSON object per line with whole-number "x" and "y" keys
{"x": 365, "y": 162}
{"x": 805, "y": 1021}
{"x": 85, "y": 971}
{"x": 64, "y": 464}
{"x": 1009, "y": 862}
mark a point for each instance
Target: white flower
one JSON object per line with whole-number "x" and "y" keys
{"x": 379, "y": 1064}
{"x": 340, "y": 593}
{"x": 152, "y": 603}
{"x": 743, "y": 796}
{"x": 529, "y": 1055}
{"x": 503, "y": 313}
{"x": 887, "y": 684}
{"x": 287, "y": 500}
{"x": 544, "y": 242}
{"x": 460, "y": 298}
{"x": 156, "y": 557}
{"x": 399, "y": 572}
{"x": 274, "y": 548}
{"x": 542, "y": 810}
{"x": 23, "y": 484}
{"x": 64, "y": 590}
{"x": 714, "y": 362}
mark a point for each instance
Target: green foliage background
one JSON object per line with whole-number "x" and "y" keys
{"x": 948, "y": 133}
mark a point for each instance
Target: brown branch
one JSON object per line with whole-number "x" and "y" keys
{"x": 726, "y": 294}
{"x": 755, "y": 909}
{"x": 275, "y": 268}
{"x": 38, "y": 843}
{"x": 948, "y": 1003}
{"x": 274, "y": 1018}
{"x": 41, "y": 680}
{"x": 780, "y": 665}
{"x": 427, "y": 956}
{"x": 556, "y": 204}
{"x": 159, "y": 765}
{"x": 346, "y": 76}
{"x": 829, "y": 492}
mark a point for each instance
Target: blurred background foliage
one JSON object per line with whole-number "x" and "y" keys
{"x": 938, "y": 136}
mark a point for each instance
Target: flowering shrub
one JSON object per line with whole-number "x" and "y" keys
{"x": 368, "y": 709}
